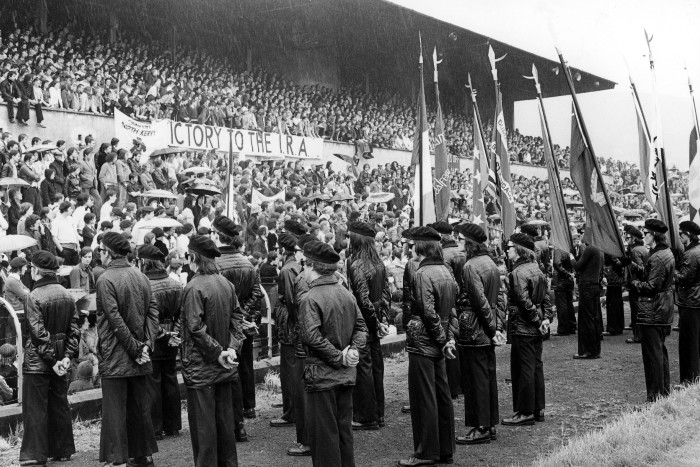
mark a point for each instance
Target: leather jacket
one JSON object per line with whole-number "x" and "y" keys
{"x": 284, "y": 313}
{"x": 563, "y": 276}
{"x": 435, "y": 292}
{"x": 656, "y": 288}
{"x": 329, "y": 321}
{"x": 370, "y": 286}
{"x": 528, "y": 299}
{"x": 455, "y": 258}
{"x": 168, "y": 295}
{"x": 245, "y": 278}
{"x": 407, "y": 299}
{"x": 688, "y": 278}
{"x": 53, "y": 327}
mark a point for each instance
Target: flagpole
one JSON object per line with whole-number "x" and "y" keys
{"x": 587, "y": 140}
{"x": 695, "y": 109}
{"x": 419, "y": 172}
{"x": 662, "y": 151}
{"x": 551, "y": 146}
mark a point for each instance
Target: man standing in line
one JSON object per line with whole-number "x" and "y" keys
{"x": 127, "y": 325}
{"x": 54, "y": 333}
{"x": 688, "y": 300}
{"x": 637, "y": 255}
{"x": 590, "y": 326}
{"x": 563, "y": 285}
{"x": 332, "y": 330}
{"x": 212, "y": 335}
{"x": 655, "y": 314}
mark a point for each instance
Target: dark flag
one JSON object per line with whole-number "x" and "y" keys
{"x": 441, "y": 182}
{"x": 481, "y": 171}
{"x": 694, "y": 163}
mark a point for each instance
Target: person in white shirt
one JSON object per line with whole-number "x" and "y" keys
{"x": 108, "y": 205}
{"x": 65, "y": 235}
{"x": 138, "y": 232}
{"x": 83, "y": 205}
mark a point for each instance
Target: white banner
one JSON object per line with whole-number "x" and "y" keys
{"x": 257, "y": 198}
{"x": 165, "y": 133}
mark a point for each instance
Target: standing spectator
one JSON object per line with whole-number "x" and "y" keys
{"x": 688, "y": 299}
{"x": 37, "y": 100}
{"x": 638, "y": 255}
{"x": 590, "y": 323}
{"x": 11, "y": 94}
{"x": 108, "y": 175}
{"x": 88, "y": 177}
{"x": 563, "y": 286}
{"x": 15, "y": 291}
{"x": 65, "y": 234}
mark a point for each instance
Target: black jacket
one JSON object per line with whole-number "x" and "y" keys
{"x": 168, "y": 295}
{"x": 284, "y": 313}
{"x": 563, "y": 275}
{"x": 53, "y": 326}
{"x": 245, "y": 278}
{"x": 688, "y": 278}
{"x": 370, "y": 286}
{"x": 454, "y": 259}
{"x": 435, "y": 293}
{"x": 329, "y": 321}
{"x": 589, "y": 267}
{"x": 127, "y": 319}
{"x": 655, "y": 290}
{"x": 528, "y": 299}
{"x": 407, "y": 300}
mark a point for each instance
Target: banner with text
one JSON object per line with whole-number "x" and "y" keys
{"x": 165, "y": 133}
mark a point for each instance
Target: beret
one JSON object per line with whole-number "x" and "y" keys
{"x": 117, "y": 243}
{"x": 361, "y": 228}
{"x": 690, "y": 227}
{"x": 226, "y": 226}
{"x": 151, "y": 252}
{"x": 42, "y": 259}
{"x": 106, "y": 224}
{"x": 529, "y": 229}
{"x": 633, "y": 231}
{"x": 117, "y": 212}
{"x": 158, "y": 232}
{"x": 442, "y": 227}
{"x": 655, "y": 225}
{"x": 306, "y": 238}
{"x": 18, "y": 263}
{"x": 426, "y": 234}
{"x": 204, "y": 246}
{"x": 472, "y": 232}
{"x": 287, "y": 241}
{"x": 294, "y": 227}
{"x": 125, "y": 224}
{"x": 408, "y": 233}
{"x": 523, "y": 240}
{"x": 321, "y": 252}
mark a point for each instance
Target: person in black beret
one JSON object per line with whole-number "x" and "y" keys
{"x": 529, "y": 315}
{"x": 53, "y": 323}
{"x": 655, "y": 313}
{"x": 125, "y": 307}
{"x": 369, "y": 283}
{"x": 284, "y": 315}
{"x": 294, "y": 228}
{"x": 236, "y": 267}
{"x": 432, "y": 413}
{"x": 212, "y": 337}
{"x": 637, "y": 255}
{"x": 541, "y": 246}
{"x": 688, "y": 300}
{"x": 334, "y": 333}
{"x": 163, "y": 388}
{"x": 478, "y": 308}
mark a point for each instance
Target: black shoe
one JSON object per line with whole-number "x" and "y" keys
{"x": 446, "y": 460}
{"x": 241, "y": 435}
{"x": 24, "y": 123}
{"x": 381, "y": 422}
{"x": 172, "y": 433}
{"x": 586, "y": 356}
{"x": 299, "y": 450}
{"x": 12, "y": 120}
{"x": 249, "y": 413}
{"x": 406, "y": 409}
{"x": 632, "y": 341}
{"x": 493, "y": 433}
{"x": 539, "y": 415}
{"x": 143, "y": 461}
{"x": 414, "y": 462}
{"x": 475, "y": 436}
{"x": 159, "y": 436}
{"x": 277, "y": 422}
{"x": 365, "y": 426}
{"x": 519, "y": 419}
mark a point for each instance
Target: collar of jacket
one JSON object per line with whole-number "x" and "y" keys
{"x": 118, "y": 263}
{"x": 153, "y": 275}
{"x": 481, "y": 250}
{"x": 430, "y": 261}
{"x": 658, "y": 247}
{"x": 324, "y": 280}
{"x": 229, "y": 250}
{"x": 520, "y": 261}
{"x": 449, "y": 244}
{"x": 84, "y": 268}
{"x": 289, "y": 259}
{"x": 45, "y": 281}
{"x": 691, "y": 245}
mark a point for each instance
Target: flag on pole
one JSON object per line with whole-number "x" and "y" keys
{"x": 694, "y": 175}
{"x": 423, "y": 203}
{"x": 441, "y": 183}
{"x": 229, "y": 181}
{"x": 481, "y": 174}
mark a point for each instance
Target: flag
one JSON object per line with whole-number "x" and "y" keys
{"x": 559, "y": 220}
{"x": 601, "y": 228}
{"x": 441, "y": 181}
{"x": 229, "y": 181}
{"x": 423, "y": 203}
{"x": 481, "y": 174}
{"x": 694, "y": 175}
{"x": 500, "y": 166}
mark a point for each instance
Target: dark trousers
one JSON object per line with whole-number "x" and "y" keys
{"x": 10, "y": 110}
{"x": 689, "y": 344}
{"x": 237, "y": 401}
{"x": 245, "y": 372}
{"x": 48, "y": 428}
{"x": 566, "y": 315}
{"x": 432, "y": 413}
{"x": 166, "y": 412}
{"x": 210, "y": 413}
{"x": 614, "y": 309}
{"x": 480, "y": 386}
{"x": 23, "y": 111}
{"x": 454, "y": 378}
{"x": 39, "y": 113}
{"x": 329, "y": 415}
{"x": 527, "y": 374}
{"x": 299, "y": 402}
{"x": 655, "y": 358}
{"x": 590, "y": 326}
{"x": 287, "y": 362}
{"x": 127, "y": 430}
{"x": 71, "y": 257}
{"x": 368, "y": 396}
{"x": 634, "y": 307}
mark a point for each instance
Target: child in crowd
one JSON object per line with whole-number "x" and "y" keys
{"x": 8, "y": 374}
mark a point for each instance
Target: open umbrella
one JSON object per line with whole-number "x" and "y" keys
{"x": 166, "y": 151}
{"x": 320, "y": 196}
{"x": 15, "y": 242}
{"x": 536, "y": 222}
{"x": 341, "y": 197}
{"x": 162, "y": 222}
{"x": 12, "y": 181}
{"x": 379, "y": 197}
{"x": 204, "y": 189}
{"x": 197, "y": 170}
{"x": 158, "y": 194}
{"x": 42, "y": 148}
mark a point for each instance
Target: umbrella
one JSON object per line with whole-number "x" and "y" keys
{"x": 162, "y": 222}
{"x": 158, "y": 194}
{"x": 341, "y": 197}
{"x": 12, "y": 181}
{"x": 204, "y": 189}
{"x": 166, "y": 151}
{"x": 15, "y": 242}
{"x": 320, "y": 196}
{"x": 379, "y": 197}
{"x": 197, "y": 170}
{"x": 207, "y": 181}
{"x": 42, "y": 148}
{"x": 536, "y": 222}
